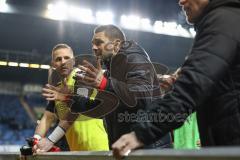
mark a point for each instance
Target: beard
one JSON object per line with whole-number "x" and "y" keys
{"x": 105, "y": 55}
{"x": 106, "y": 58}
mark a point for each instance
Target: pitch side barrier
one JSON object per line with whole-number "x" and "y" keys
{"x": 232, "y": 153}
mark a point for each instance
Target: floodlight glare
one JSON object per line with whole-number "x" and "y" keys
{"x": 43, "y": 66}
{"x": 12, "y": 64}
{"x": 146, "y": 24}
{"x": 57, "y": 11}
{"x": 192, "y": 31}
{"x": 84, "y": 15}
{"x": 130, "y": 22}
{"x": 23, "y": 65}
{"x": 104, "y": 17}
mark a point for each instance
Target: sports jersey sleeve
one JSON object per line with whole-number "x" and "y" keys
{"x": 50, "y": 106}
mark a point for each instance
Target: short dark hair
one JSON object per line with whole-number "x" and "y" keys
{"x": 111, "y": 31}
{"x": 60, "y": 46}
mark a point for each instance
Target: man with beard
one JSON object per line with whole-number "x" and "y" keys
{"x": 209, "y": 80}
{"x": 130, "y": 75}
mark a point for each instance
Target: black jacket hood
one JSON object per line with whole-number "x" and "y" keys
{"x": 217, "y": 3}
{"x": 213, "y": 4}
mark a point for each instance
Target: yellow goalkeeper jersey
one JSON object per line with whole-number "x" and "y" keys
{"x": 85, "y": 134}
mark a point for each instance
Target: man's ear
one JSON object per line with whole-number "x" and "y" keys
{"x": 52, "y": 65}
{"x": 117, "y": 44}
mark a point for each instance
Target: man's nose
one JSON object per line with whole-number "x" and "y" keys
{"x": 64, "y": 61}
{"x": 182, "y": 2}
{"x": 94, "y": 47}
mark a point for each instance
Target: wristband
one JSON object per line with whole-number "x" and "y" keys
{"x": 37, "y": 136}
{"x": 57, "y": 134}
{"x": 103, "y": 83}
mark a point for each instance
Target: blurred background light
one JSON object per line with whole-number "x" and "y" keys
{"x": 13, "y": 64}
{"x": 130, "y": 22}
{"x": 43, "y": 66}
{"x": 23, "y": 65}
{"x": 57, "y": 11}
{"x": 3, "y": 63}
{"x": 104, "y": 17}
{"x": 158, "y": 27}
{"x": 4, "y": 7}
{"x": 192, "y": 31}
{"x": 84, "y": 15}
{"x": 145, "y": 24}
{"x": 34, "y": 65}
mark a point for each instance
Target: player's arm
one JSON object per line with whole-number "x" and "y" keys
{"x": 45, "y": 123}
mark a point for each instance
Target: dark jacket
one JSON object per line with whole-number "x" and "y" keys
{"x": 209, "y": 82}
{"x": 132, "y": 77}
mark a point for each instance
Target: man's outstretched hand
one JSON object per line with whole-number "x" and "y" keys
{"x": 125, "y": 144}
{"x": 43, "y": 145}
{"x": 90, "y": 76}
{"x": 52, "y": 93}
